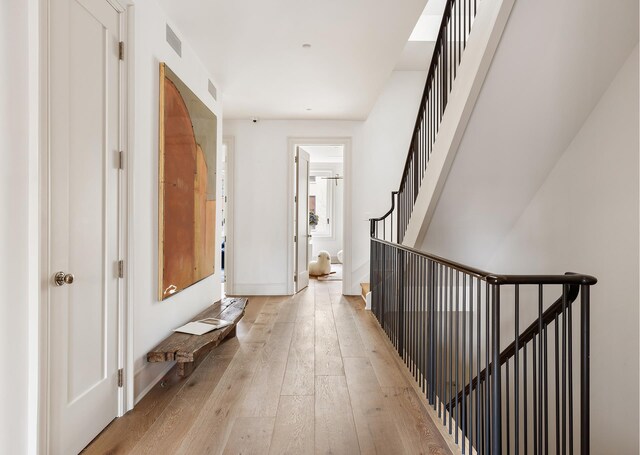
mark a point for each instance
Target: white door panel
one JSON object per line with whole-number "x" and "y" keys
{"x": 85, "y": 109}
{"x": 302, "y": 219}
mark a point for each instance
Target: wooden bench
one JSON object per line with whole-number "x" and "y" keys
{"x": 190, "y": 350}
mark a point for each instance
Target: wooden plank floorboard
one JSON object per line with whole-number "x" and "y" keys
{"x": 262, "y": 395}
{"x": 417, "y": 430}
{"x": 377, "y": 432}
{"x": 335, "y": 431}
{"x": 250, "y": 436}
{"x": 294, "y": 429}
{"x": 310, "y": 373}
{"x": 300, "y": 370}
{"x": 167, "y": 432}
{"x": 348, "y": 336}
{"x": 212, "y": 426}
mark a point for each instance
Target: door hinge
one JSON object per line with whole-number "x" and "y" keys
{"x": 120, "y": 268}
{"x": 296, "y": 160}
{"x": 121, "y": 50}
{"x": 295, "y": 278}
{"x": 295, "y": 238}
{"x": 121, "y": 160}
{"x": 295, "y": 199}
{"x": 120, "y": 377}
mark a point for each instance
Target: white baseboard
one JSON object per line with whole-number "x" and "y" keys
{"x": 147, "y": 377}
{"x": 243, "y": 289}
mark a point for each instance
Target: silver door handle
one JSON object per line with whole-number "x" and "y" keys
{"x": 61, "y": 278}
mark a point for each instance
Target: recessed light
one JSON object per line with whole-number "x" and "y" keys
{"x": 306, "y": 45}
{"x": 308, "y": 108}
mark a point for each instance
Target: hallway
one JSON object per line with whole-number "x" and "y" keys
{"x": 305, "y": 374}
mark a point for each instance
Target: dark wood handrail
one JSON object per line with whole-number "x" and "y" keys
{"x": 493, "y": 278}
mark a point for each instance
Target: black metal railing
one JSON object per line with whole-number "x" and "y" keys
{"x": 496, "y": 388}
{"x": 455, "y": 28}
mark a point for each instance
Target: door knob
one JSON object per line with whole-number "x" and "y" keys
{"x": 61, "y": 278}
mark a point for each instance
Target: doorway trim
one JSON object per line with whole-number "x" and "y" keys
{"x": 41, "y": 41}
{"x": 229, "y": 177}
{"x": 344, "y": 141}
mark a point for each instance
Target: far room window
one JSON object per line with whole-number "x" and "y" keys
{"x": 320, "y": 197}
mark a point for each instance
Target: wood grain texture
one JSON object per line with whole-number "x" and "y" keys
{"x": 335, "y": 431}
{"x": 377, "y": 432}
{"x": 260, "y": 392}
{"x": 294, "y": 429}
{"x": 189, "y": 350}
{"x": 250, "y": 436}
{"x": 168, "y": 430}
{"x": 348, "y": 337}
{"x": 262, "y": 396}
{"x": 299, "y": 374}
{"x": 328, "y": 359}
{"x": 210, "y": 430}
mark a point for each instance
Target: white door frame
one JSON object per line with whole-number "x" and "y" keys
{"x": 125, "y": 310}
{"x": 229, "y": 177}
{"x": 292, "y": 142}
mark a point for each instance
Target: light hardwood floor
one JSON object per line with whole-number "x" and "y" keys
{"x": 306, "y": 374}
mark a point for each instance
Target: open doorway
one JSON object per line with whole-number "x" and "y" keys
{"x": 326, "y": 202}
{"x": 321, "y": 201}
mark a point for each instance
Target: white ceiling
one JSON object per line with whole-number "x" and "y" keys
{"x": 418, "y": 50}
{"x": 254, "y": 50}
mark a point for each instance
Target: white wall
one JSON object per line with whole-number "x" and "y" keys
{"x": 333, "y": 243}
{"x": 584, "y": 218}
{"x": 18, "y": 247}
{"x": 547, "y": 74}
{"x": 154, "y": 320}
{"x": 379, "y": 148}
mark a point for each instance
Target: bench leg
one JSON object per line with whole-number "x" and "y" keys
{"x": 185, "y": 368}
{"x": 232, "y": 333}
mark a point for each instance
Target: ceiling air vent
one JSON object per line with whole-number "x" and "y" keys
{"x": 213, "y": 90}
{"x": 174, "y": 41}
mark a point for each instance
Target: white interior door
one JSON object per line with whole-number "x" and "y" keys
{"x": 83, "y": 238}
{"x": 302, "y": 219}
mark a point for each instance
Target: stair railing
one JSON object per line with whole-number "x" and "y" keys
{"x": 455, "y": 28}
{"x": 496, "y": 389}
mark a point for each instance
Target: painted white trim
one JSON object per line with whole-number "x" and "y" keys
{"x": 40, "y": 409}
{"x": 484, "y": 39}
{"x": 229, "y": 249}
{"x": 346, "y": 142}
{"x": 128, "y": 211}
{"x": 153, "y": 382}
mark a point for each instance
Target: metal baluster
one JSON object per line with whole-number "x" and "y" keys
{"x": 546, "y": 389}
{"x": 450, "y": 318}
{"x": 456, "y": 388}
{"x": 464, "y": 363}
{"x": 479, "y": 448}
{"x": 516, "y": 373}
{"x": 570, "y": 346}
{"x": 535, "y": 399}
{"x": 507, "y": 406}
{"x": 557, "y": 383}
{"x": 585, "y": 380}
{"x": 488, "y": 378}
{"x": 526, "y": 400}
{"x": 540, "y": 355}
{"x": 564, "y": 369}
{"x": 496, "y": 392}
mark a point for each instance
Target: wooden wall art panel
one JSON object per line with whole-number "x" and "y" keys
{"x": 187, "y": 186}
